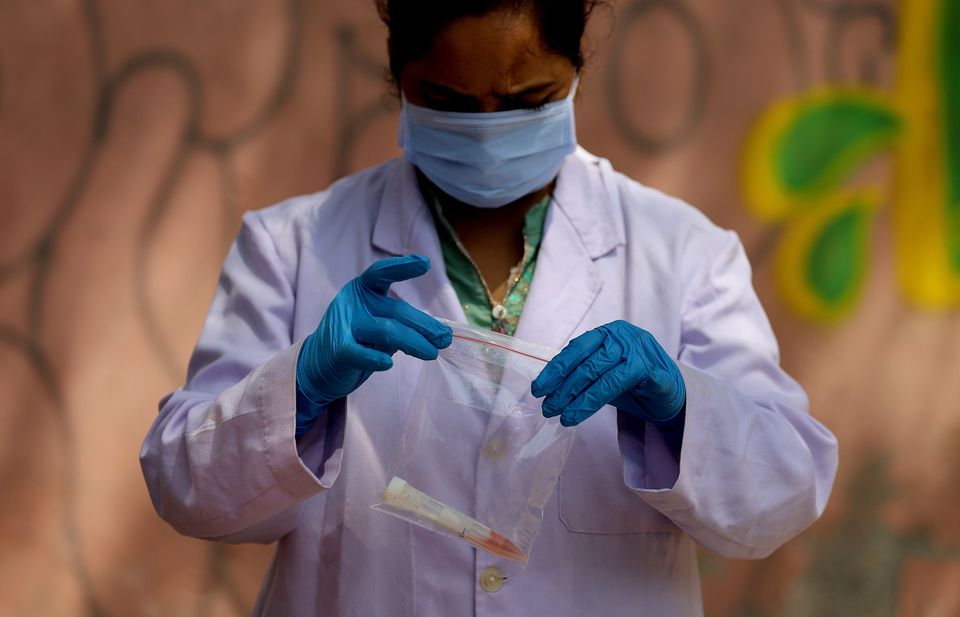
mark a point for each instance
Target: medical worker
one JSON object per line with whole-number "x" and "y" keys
{"x": 688, "y": 432}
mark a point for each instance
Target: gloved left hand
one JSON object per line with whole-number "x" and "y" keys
{"x": 359, "y": 332}
{"x": 617, "y": 364}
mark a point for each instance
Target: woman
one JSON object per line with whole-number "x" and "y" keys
{"x": 293, "y": 401}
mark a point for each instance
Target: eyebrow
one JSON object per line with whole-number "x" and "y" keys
{"x": 453, "y": 93}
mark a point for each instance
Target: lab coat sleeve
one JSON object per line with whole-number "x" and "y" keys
{"x": 220, "y": 460}
{"x": 755, "y": 468}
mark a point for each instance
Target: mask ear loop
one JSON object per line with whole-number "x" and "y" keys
{"x": 574, "y": 86}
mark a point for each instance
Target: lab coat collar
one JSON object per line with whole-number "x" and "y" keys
{"x": 579, "y": 230}
{"x": 401, "y": 209}
{"x": 581, "y": 193}
{"x": 404, "y": 225}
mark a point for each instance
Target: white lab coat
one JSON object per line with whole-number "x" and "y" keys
{"x": 618, "y": 533}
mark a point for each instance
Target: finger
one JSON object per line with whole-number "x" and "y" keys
{"x": 568, "y": 359}
{"x": 379, "y": 276}
{"x": 363, "y": 358}
{"x": 573, "y": 418}
{"x": 439, "y": 334}
{"x": 606, "y": 388}
{"x": 586, "y": 373}
{"x": 392, "y": 336}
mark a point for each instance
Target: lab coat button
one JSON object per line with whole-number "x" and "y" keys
{"x": 492, "y": 579}
{"x": 495, "y": 448}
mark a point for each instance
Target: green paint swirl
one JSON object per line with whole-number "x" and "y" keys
{"x": 828, "y": 140}
{"x": 949, "y": 66}
{"x": 837, "y": 259}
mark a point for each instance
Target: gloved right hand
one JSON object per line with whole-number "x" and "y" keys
{"x": 360, "y": 331}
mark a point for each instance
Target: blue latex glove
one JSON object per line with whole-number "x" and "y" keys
{"x": 359, "y": 332}
{"x": 617, "y": 364}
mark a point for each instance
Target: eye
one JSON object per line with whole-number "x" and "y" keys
{"x": 457, "y": 104}
{"x": 442, "y": 98}
{"x": 524, "y": 104}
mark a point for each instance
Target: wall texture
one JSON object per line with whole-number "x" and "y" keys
{"x": 134, "y": 134}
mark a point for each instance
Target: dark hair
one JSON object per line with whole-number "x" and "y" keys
{"x": 413, "y": 24}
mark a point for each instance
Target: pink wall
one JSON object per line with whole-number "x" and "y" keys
{"x": 132, "y": 136}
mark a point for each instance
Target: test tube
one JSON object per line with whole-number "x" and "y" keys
{"x": 402, "y": 496}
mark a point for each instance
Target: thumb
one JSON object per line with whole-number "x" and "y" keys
{"x": 661, "y": 396}
{"x": 659, "y": 383}
{"x": 379, "y": 276}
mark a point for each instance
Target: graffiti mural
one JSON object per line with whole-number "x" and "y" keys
{"x": 804, "y": 150}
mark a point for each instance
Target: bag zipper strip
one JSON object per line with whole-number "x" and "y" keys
{"x": 504, "y": 347}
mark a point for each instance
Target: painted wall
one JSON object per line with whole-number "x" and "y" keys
{"x": 133, "y": 135}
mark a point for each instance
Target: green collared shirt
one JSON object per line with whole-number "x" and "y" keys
{"x": 499, "y": 315}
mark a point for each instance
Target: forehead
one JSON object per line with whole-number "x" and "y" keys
{"x": 497, "y": 52}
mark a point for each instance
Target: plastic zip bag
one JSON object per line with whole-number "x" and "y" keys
{"x": 477, "y": 460}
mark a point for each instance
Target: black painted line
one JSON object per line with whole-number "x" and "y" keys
{"x": 351, "y": 123}
{"x": 43, "y": 251}
{"x": 796, "y": 42}
{"x": 840, "y": 25}
{"x": 159, "y": 206}
{"x": 94, "y": 27}
{"x": 281, "y": 91}
{"x": 37, "y": 360}
{"x": 695, "y": 105}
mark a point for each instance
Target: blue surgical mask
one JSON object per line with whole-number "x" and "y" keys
{"x": 489, "y": 159}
